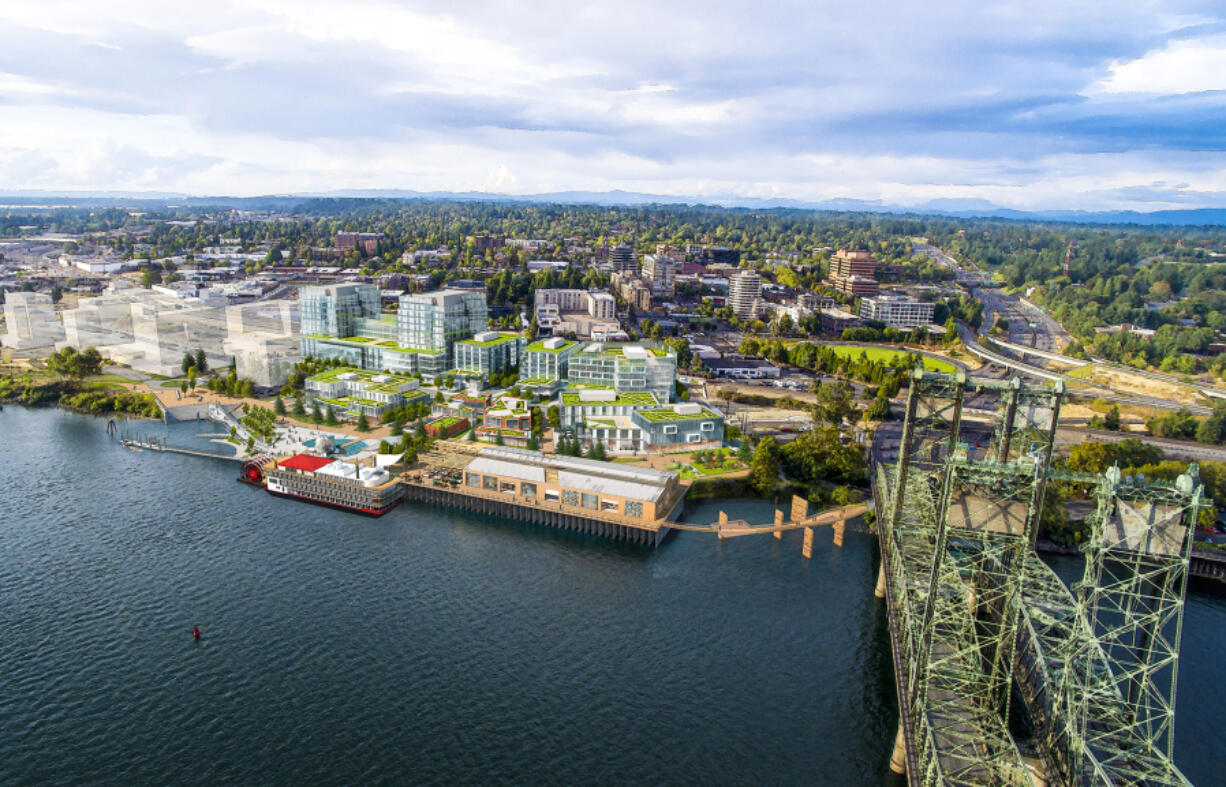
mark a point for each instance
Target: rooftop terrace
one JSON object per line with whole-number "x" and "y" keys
{"x": 666, "y": 414}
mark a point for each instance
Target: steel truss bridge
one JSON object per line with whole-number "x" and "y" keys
{"x": 1005, "y": 675}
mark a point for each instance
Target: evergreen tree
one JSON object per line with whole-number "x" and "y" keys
{"x": 1112, "y": 420}
{"x": 533, "y": 444}
{"x": 188, "y": 362}
{"x": 330, "y": 417}
{"x": 202, "y": 363}
{"x": 764, "y": 471}
{"x": 498, "y": 439}
{"x": 472, "y": 435}
{"x": 278, "y": 406}
{"x": 363, "y": 425}
{"x": 316, "y": 417}
{"x": 299, "y": 411}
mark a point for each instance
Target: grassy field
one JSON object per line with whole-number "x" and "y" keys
{"x": 108, "y": 378}
{"x": 885, "y": 355}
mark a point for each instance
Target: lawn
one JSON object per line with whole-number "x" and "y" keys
{"x": 885, "y": 355}
{"x": 108, "y": 378}
{"x": 729, "y": 463}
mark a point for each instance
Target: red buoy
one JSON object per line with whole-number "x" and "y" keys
{"x": 195, "y": 632}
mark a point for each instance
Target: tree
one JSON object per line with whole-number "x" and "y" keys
{"x": 363, "y": 425}
{"x": 330, "y": 417}
{"x": 879, "y": 410}
{"x": 1213, "y": 429}
{"x": 316, "y": 417}
{"x": 202, "y": 363}
{"x": 835, "y": 403}
{"x": 73, "y": 365}
{"x": 278, "y": 406}
{"x": 438, "y": 397}
{"x": 299, "y": 411}
{"x": 764, "y": 470}
{"x": 187, "y": 363}
{"x": 472, "y": 435}
{"x": 533, "y": 443}
{"x": 597, "y": 451}
{"x": 1112, "y": 419}
{"x": 397, "y": 425}
{"x": 555, "y": 419}
{"x": 744, "y": 451}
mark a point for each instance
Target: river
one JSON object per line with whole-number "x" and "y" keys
{"x": 430, "y": 646}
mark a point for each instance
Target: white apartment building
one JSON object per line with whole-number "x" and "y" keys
{"x": 897, "y": 311}
{"x": 658, "y": 273}
{"x": 745, "y": 294}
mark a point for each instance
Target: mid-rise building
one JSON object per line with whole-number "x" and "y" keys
{"x": 627, "y": 368}
{"x": 353, "y": 392}
{"x": 853, "y": 272}
{"x": 897, "y": 311}
{"x": 658, "y": 273}
{"x": 578, "y": 311}
{"x": 366, "y": 242}
{"x": 488, "y": 352}
{"x": 547, "y": 361}
{"x": 343, "y": 321}
{"x": 745, "y": 294}
{"x": 622, "y": 259}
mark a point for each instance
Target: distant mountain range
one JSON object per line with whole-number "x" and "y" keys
{"x": 956, "y": 208}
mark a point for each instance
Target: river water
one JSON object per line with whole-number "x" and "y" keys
{"x": 430, "y": 646}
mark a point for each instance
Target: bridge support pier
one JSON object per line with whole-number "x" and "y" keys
{"x": 898, "y": 758}
{"x": 879, "y": 591}
{"x": 778, "y": 523}
{"x": 807, "y": 548}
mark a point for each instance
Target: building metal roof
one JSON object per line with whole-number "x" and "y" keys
{"x": 492, "y": 466}
{"x": 609, "y": 486}
{"x": 592, "y": 466}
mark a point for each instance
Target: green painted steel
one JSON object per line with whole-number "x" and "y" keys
{"x": 974, "y": 614}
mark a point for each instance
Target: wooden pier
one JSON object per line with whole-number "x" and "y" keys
{"x": 154, "y": 445}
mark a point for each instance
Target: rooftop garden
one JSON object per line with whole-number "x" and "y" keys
{"x": 665, "y": 414}
{"x": 446, "y": 422}
{"x": 571, "y": 397}
{"x": 502, "y": 339}
{"x": 539, "y": 347}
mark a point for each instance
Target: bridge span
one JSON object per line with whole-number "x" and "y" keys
{"x": 976, "y": 619}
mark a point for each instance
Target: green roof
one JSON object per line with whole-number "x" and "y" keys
{"x": 502, "y": 339}
{"x": 669, "y": 414}
{"x": 539, "y": 347}
{"x": 629, "y": 397}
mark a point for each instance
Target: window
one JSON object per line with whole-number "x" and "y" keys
{"x": 634, "y": 509}
{"x": 670, "y": 429}
{"x": 609, "y": 505}
{"x": 570, "y": 497}
{"x": 527, "y": 490}
{"x": 472, "y": 479}
{"x": 590, "y": 501}
{"x": 552, "y": 496}
{"x": 693, "y": 438}
{"x": 491, "y": 483}
{"x": 507, "y": 487}
{"x": 707, "y": 426}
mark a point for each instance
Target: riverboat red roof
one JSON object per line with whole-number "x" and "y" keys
{"x": 304, "y": 462}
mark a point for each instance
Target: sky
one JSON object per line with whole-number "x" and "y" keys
{"x": 1035, "y": 105}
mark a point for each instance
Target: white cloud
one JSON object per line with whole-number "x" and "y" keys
{"x": 1181, "y": 67}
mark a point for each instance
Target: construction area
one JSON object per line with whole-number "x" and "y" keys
{"x": 977, "y": 621}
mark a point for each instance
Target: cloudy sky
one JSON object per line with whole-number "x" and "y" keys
{"x": 1030, "y": 105}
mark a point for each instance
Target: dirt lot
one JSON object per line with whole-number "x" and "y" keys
{"x": 1132, "y": 383}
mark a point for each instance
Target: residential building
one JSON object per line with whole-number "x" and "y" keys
{"x": 353, "y": 392}
{"x": 897, "y": 311}
{"x": 853, "y": 272}
{"x": 745, "y": 294}
{"x": 547, "y": 360}
{"x": 30, "y": 321}
{"x": 343, "y": 321}
{"x": 622, "y": 259}
{"x": 658, "y": 273}
{"x": 578, "y": 311}
{"x": 812, "y": 302}
{"x": 488, "y": 352}
{"x": 366, "y": 242}
{"x": 627, "y": 368}
{"x": 536, "y": 266}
